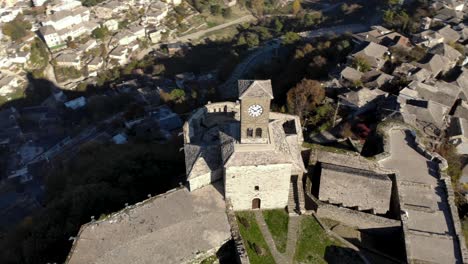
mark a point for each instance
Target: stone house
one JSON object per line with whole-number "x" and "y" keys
{"x": 458, "y": 134}
{"x": 373, "y": 53}
{"x": 68, "y": 60}
{"x": 120, "y": 54}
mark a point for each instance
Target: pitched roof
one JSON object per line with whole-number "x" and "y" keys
{"x": 373, "y": 50}
{"x": 351, "y": 74}
{"x": 458, "y": 127}
{"x": 446, "y": 51}
{"x": 362, "y": 97}
{"x": 449, "y": 34}
{"x": 435, "y": 63}
{"x": 255, "y": 88}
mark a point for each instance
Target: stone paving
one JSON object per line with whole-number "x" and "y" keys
{"x": 293, "y": 229}
{"x": 431, "y": 236}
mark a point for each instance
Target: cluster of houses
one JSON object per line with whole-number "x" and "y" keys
{"x": 434, "y": 95}
{"x": 66, "y": 28}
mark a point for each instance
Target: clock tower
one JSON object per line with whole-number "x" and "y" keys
{"x": 255, "y": 97}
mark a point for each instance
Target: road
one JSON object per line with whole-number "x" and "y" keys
{"x": 201, "y": 33}
{"x": 189, "y": 37}
{"x": 228, "y": 89}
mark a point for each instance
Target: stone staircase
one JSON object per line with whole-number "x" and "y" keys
{"x": 296, "y": 201}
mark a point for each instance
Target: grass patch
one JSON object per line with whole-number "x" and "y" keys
{"x": 326, "y": 148}
{"x": 209, "y": 260}
{"x": 315, "y": 246}
{"x": 257, "y": 248}
{"x": 277, "y": 222}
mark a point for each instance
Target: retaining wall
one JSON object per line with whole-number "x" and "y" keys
{"x": 242, "y": 257}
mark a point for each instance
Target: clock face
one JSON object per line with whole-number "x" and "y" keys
{"x": 255, "y": 110}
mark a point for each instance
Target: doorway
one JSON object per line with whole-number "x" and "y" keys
{"x": 256, "y": 203}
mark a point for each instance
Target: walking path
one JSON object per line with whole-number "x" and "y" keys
{"x": 293, "y": 230}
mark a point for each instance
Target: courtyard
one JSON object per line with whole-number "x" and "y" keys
{"x": 273, "y": 236}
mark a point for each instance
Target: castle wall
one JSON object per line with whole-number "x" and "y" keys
{"x": 273, "y": 182}
{"x": 205, "y": 179}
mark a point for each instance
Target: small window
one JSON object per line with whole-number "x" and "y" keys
{"x": 249, "y": 132}
{"x": 258, "y": 132}
{"x": 257, "y": 188}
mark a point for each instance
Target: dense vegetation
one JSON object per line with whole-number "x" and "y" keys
{"x": 99, "y": 180}
{"x": 16, "y": 29}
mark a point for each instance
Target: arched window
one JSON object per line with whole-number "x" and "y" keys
{"x": 249, "y": 132}
{"x": 258, "y": 132}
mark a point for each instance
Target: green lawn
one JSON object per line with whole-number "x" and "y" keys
{"x": 253, "y": 238}
{"x": 277, "y": 222}
{"x": 315, "y": 246}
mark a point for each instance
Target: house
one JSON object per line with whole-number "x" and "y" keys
{"x": 120, "y": 54}
{"x": 90, "y": 44}
{"x": 155, "y": 35}
{"x": 449, "y": 35}
{"x": 111, "y": 24}
{"x": 173, "y": 48}
{"x": 456, "y": 5}
{"x": 8, "y": 85}
{"x": 446, "y": 51}
{"x": 68, "y": 60}
{"x": 124, "y": 37}
{"x": 435, "y": 64}
{"x": 428, "y": 38}
{"x": 166, "y": 118}
{"x": 95, "y": 64}
{"x": 362, "y": 100}
{"x": 76, "y": 103}
{"x": 351, "y": 75}
{"x": 440, "y": 92}
{"x": 458, "y": 134}
{"x": 50, "y": 36}
{"x": 20, "y": 57}
{"x": 382, "y": 36}
{"x": 428, "y": 115}
{"x": 138, "y": 31}
{"x": 372, "y": 53}
{"x": 376, "y": 79}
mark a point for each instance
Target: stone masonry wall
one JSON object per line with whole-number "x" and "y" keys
{"x": 273, "y": 182}
{"x": 242, "y": 257}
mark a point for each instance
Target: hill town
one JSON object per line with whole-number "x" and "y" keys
{"x": 234, "y": 131}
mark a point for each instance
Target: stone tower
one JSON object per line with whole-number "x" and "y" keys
{"x": 255, "y": 99}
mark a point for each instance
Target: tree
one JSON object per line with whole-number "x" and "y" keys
{"x": 296, "y": 7}
{"x": 100, "y": 32}
{"x": 227, "y": 12}
{"x": 177, "y": 95}
{"x": 251, "y": 40}
{"x": 304, "y": 97}
{"x": 39, "y": 55}
{"x": 258, "y": 6}
{"x": 215, "y": 10}
{"x": 277, "y": 25}
{"x": 290, "y": 38}
{"x": 360, "y": 64}
{"x": 158, "y": 69}
{"x": 17, "y": 28}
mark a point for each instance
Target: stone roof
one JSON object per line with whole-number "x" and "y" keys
{"x": 446, "y": 51}
{"x": 462, "y": 110}
{"x": 426, "y": 111}
{"x": 171, "y": 228}
{"x": 351, "y": 74}
{"x": 434, "y": 63}
{"x": 255, "y": 88}
{"x": 361, "y": 97}
{"x": 449, "y": 34}
{"x": 47, "y": 30}
{"x": 440, "y": 92}
{"x": 372, "y": 50}
{"x": 67, "y": 57}
{"x": 353, "y": 187}
{"x": 458, "y": 127}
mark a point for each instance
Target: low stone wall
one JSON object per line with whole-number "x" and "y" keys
{"x": 344, "y": 241}
{"x": 355, "y": 218}
{"x": 242, "y": 257}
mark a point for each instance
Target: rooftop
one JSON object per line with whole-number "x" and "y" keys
{"x": 169, "y": 228}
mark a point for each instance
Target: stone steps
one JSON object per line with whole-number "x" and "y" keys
{"x": 292, "y": 199}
